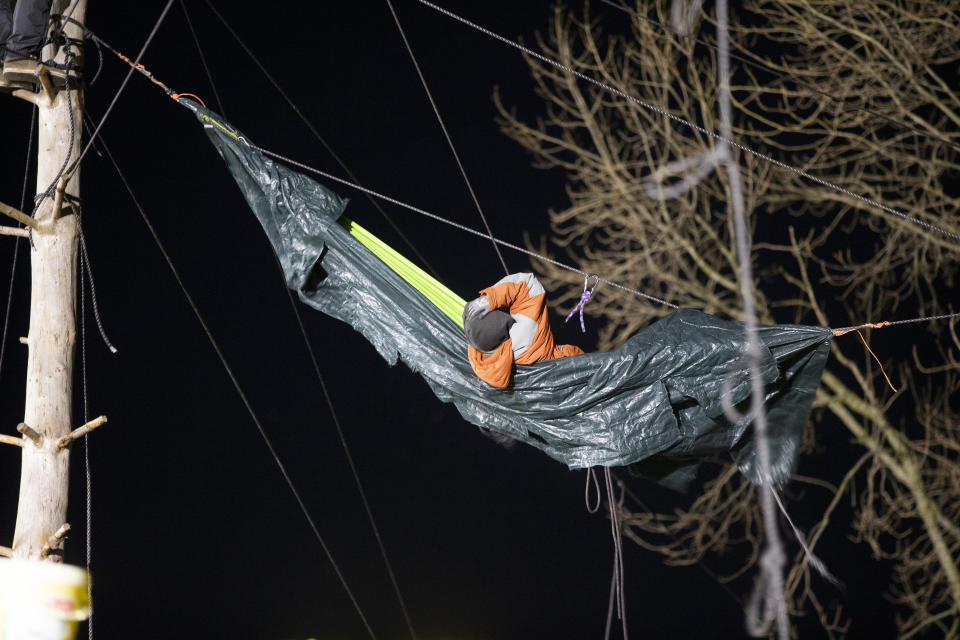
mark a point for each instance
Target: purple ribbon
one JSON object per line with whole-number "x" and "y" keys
{"x": 584, "y": 299}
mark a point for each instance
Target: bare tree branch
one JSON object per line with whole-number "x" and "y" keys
{"x": 866, "y": 95}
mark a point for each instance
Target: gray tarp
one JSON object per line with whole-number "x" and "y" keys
{"x": 654, "y": 399}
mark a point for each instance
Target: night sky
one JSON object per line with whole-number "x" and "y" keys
{"x": 195, "y": 533}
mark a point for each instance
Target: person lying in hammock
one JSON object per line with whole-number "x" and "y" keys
{"x": 498, "y": 339}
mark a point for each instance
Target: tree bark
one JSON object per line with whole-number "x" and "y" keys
{"x": 44, "y": 475}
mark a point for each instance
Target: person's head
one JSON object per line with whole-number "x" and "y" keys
{"x": 486, "y": 331}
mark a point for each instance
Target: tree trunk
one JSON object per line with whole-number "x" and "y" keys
{"x": 44, "y": 475}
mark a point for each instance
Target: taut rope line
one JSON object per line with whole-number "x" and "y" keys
{"x": 646, "y": 105}
{"x": 533, "y": 254}
{"x": 446, "y": 134}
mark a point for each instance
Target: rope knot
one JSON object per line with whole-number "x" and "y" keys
{"x": 584, "y": 298}
{"x": 865, "y": 325}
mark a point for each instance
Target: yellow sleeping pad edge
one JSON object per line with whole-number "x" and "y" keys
{"x": 443, "y": 298}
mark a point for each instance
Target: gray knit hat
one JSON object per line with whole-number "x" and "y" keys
{"x": 485, "y": 330}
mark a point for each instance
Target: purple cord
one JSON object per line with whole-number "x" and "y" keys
{"x": 584, "y": 299}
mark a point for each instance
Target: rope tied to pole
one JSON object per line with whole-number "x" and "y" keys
{"x": 134, "y": 65}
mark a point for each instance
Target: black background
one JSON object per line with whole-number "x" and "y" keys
{"x": 195, "y": 533}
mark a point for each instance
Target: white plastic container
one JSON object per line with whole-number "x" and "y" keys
{"x": 42, "y": 600}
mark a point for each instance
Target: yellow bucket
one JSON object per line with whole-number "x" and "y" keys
{"x": 42, "y": 600}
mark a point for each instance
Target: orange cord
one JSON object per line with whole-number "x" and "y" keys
{"x": 177, "y": 96}
{"x": 877, "y": 359}
{"x": 867, "y": 325}
{"x": 142, "y": 69}
{"x": 871, "y": 325}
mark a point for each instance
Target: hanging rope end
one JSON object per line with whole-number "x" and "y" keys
{"x": 877, "y": 359}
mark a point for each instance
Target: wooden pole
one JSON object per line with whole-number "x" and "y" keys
{"x": 44, "y": 475}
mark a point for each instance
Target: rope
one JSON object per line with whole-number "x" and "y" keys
{"x": 320, "y": 138}
{"x": 584, "y": 299}
{"x": 73, "y": 7}
{"x": 533, "y": 254}
{"x": 720, "y": 138}
{"x": 616, "y": 583}
{"x": 591, "y": 479}
{"x": 374, "y": 194}
{"x": 326, "y": 394}
{"x": 55, "y": 37}
{"x": 123, "y": 84}
{"x": 133, "y": 64}
{"x": 87, "y": 270}
{"x": 457, "y": 225}
{"x": 800, "y": 81}
{"x": 88, "y": 483}
{"x": 891, "y": 323}
{"x": 52, "y": 187}
{"x": 815, "y": 562}
{"x": 203, "y": 59}
{"x": 611, "y": 601}
{"x": 16, "y": 244}
{"x": 240, "y": 392}
{"x": 769, "y": 585}
{"x": 353, "y": 467}
{"x": 880, "y": 364}
{"x": 665, "y": 531}
{"x": 446, "y": 134}
{"x": 96, "y": 75}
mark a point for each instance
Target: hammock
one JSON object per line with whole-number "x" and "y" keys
{"x": 653, "y": 403}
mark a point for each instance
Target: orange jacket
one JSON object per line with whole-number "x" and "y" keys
{"x": 531, "y": 339}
